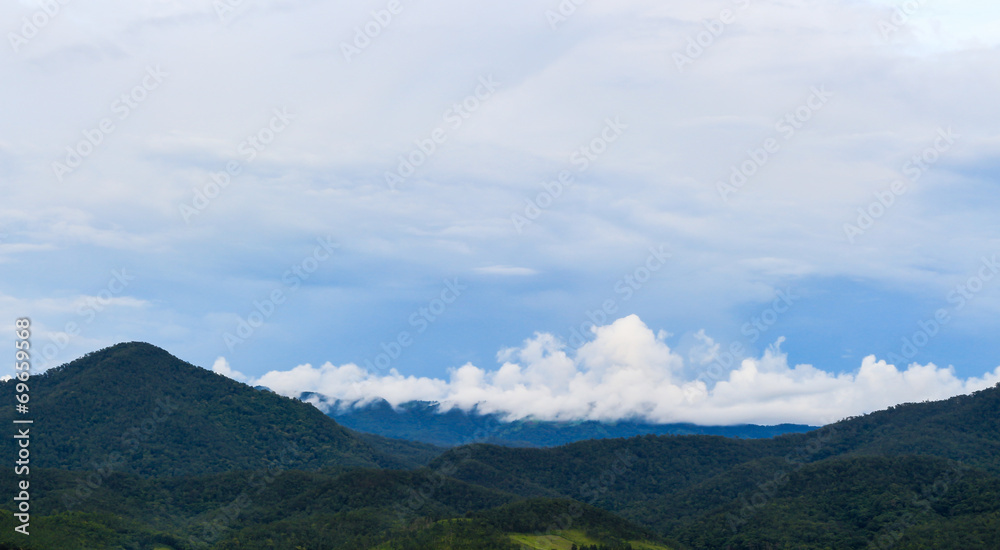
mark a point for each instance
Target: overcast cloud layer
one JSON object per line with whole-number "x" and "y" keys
{"x": 286, "y": 182}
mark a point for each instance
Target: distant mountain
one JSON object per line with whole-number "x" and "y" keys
{"x": 424, "y": 421}
{"x": 138, "y": 409}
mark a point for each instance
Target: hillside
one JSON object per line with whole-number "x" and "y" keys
{"x": 143, "y": 411}
{"x": 963, "y": 428}
{"x": 693, "y": 487}
{"x": 360, "y": 508}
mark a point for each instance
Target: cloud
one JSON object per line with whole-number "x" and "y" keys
{"x": 626, "y": 371}
{"x": 221, "y": 366}
{"x": 506, "y": 270}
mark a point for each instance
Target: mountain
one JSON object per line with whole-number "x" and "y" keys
{"x": 425, "y": 422}
{"x": 137, "y": 409}
{"x": 963, "y": 429}
{"x": 133, "y": 449}
{"x": 857, "y": 479}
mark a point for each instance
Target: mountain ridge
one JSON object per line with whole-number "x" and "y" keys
{"x": 426, "y": 422}
{"x": 143, "y": 411}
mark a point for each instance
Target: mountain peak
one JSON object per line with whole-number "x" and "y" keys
{"x": 130, "y": 352}
{"x": 138, "y": 401}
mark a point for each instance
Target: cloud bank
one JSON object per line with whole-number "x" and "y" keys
{"x": 626, "y": 371}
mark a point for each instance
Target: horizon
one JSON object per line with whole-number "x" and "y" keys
{"x": 331, "y": 407}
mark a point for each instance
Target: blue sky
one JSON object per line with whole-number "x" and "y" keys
{"x": 480, "y": 185}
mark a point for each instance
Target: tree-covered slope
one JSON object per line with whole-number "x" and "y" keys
{"x": 852, "y": 503}
{"x": 135, "y": 408}
{"x": 963, "y": 428}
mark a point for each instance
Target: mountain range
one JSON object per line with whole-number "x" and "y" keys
{"x": 133, "y": 448}
{"x": 427, "y": 422}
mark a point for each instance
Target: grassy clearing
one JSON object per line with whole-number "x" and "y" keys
{"x": 564, "y": 540}
{"x": 557, "y": 540}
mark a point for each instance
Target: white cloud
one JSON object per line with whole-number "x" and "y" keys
{"x": 506, "y": 270}
{"x": 627, "y": 371}
{"x": 221, "y": 366}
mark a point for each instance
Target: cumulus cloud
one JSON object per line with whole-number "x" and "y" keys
{"x": 626, "y": 371}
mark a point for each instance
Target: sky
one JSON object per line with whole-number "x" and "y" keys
{"x": 718, "y": 211}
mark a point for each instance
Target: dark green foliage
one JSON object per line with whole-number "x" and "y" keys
{"x": 400, "y": 453}
{"x": 605, "y": 473}
{"x": 846, "y": 503}
{"x": 135, "y": 408}
{"x": 84, "y": 531}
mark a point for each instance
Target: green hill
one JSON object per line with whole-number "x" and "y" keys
{"x": 712, "y": 492}
{"x": 134, "y": 408}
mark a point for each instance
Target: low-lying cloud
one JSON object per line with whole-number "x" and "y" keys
{"x": 626, "y": 371}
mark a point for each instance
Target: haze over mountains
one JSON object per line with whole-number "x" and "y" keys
{"x": 142, "y": 450}
{"x": 427, "y": 422}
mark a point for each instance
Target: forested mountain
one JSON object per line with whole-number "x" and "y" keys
{"x": 426, "y": 422}
{"x": 207, "y": 463}
{"x": 152, "y": 414}
{"x": 711, "y": 492}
